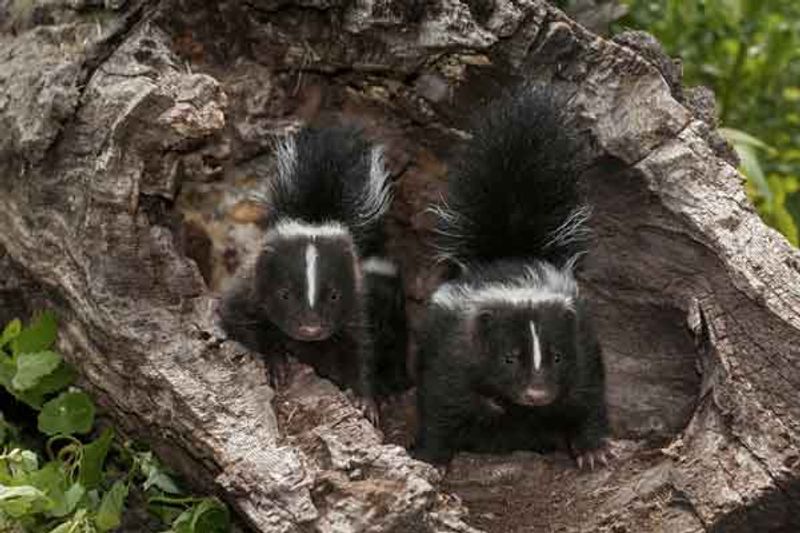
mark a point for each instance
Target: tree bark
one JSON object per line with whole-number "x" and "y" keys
{"x": 134, "y": 130}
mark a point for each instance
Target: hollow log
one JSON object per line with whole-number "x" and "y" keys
{"x": 133, "y": 132}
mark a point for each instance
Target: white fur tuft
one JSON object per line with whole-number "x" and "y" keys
{"x": 573, "y": 229}
{"x": 541, "y": 283}
{"x": 377, "y": 196}
{"x": 379, "y": 266}
{"x": 286, "y": 158}
{"x": 297, "y": 229}
{"x": 455, "y": 222}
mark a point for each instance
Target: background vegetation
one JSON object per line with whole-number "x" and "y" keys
{"x": 61, "y": 471}
{"x": 748, "y": 52}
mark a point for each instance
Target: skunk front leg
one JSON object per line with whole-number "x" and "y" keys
{"x": 364, "y": 386}
{"x": 589, "y": 440}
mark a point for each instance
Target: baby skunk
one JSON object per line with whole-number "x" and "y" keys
{"x": 305, "y": 295}
{"x": 507, "y": 356}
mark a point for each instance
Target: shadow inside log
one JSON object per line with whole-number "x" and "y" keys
{"x": 777, "y": 511}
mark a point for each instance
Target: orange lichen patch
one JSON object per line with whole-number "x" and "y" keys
{"x": 187, "y": 47}
{"x": 247, "y": 212}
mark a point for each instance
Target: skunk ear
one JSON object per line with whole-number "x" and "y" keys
{"x": 451, "y": 269}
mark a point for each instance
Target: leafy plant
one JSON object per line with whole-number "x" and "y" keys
{"x": 748, "y": 51}
{"x": 80, "y": 486}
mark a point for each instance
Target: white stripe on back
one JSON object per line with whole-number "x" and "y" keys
{"x": 311, "y": 274}
{"x": 537, "y": 348}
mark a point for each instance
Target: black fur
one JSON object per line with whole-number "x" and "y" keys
{"x": 513, "y": 186}
{"x": 331, "y": 184}
{"x": 513, "y": 221}
{"x": 388, "y": 325}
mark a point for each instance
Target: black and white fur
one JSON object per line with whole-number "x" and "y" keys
{"x": 507, "y": 355}
{"x": 305, "y": 295}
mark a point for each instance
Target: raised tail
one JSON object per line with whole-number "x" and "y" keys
{"x": 513, "y": 192}
{"x": 331, "y": 175}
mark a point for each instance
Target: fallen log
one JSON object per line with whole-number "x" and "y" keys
{"x": 134, "y": 131}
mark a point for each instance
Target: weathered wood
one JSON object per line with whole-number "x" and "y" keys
{"x": 118, "y": 122}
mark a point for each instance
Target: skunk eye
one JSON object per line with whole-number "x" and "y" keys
{"x": 283, "y": 294}
{"x": 334, "y": 295}
{"x": 556, "y": 357}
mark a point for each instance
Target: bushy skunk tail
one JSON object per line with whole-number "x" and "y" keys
{"x": 331, "y": 175}
{"x": 513, "y": 193}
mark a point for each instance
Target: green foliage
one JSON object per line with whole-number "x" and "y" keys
{"x": 208, "y": 516}
{"x": 83, "y": 486}
{"x": 32, "y": 367}
{"x": 72, "y": 412}
{"x": 29, "y": 370}
{"x": 90, "y": 474}
{"x": 748, "y": 51}
{"x": 109, "y": 514}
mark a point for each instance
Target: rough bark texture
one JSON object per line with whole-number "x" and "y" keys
{"x": 132, "y": 132}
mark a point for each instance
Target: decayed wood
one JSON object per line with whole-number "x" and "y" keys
{"x": 116, "y": 125}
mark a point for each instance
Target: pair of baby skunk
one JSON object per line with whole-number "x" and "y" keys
{"x": 507, "y": 355}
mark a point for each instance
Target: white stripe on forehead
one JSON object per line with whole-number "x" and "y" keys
{"x": 296, "y": 229}
{"x": 537, "y": 348}
{"x": 311, "y": 274}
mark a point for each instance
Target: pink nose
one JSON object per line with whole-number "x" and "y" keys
{"x": 310, "y": 331}
{"x": 536, "y": 396}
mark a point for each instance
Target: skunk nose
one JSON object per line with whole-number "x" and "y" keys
{"x": 310, "y": 331}
{"x": 536, "y": 396}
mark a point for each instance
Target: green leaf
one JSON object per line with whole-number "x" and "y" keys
{"x": 739, "y": 138}
{"x": 50, "y": 479}
{"x": 67, "y": 500}
{"x": 76, "y": 524}
{"x": 7, "y": 371}
{"x": 30, "y": 461}
{"x": 19, "y": 466}
{"x": 71, "y": 412}
{"x": 155, "y": 474}
{"x": 109, "y": 515}
{"x": 208, "y": 516}
{"x": 211, "y": 517}
{"x": 38, "y": 336}
{"x": 10, "y": 332}
{"x": 31, "y": 367}
{"x": 22, "y": 500}
{"x": 165, "y": 513}
{"x": 161, "y": 480}
{"x": 94, "y": 454}
{"x": 751, "y": 168}
{"x": 55, "y": 381}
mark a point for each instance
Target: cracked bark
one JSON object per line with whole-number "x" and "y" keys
{"x": 120, "y": 123}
